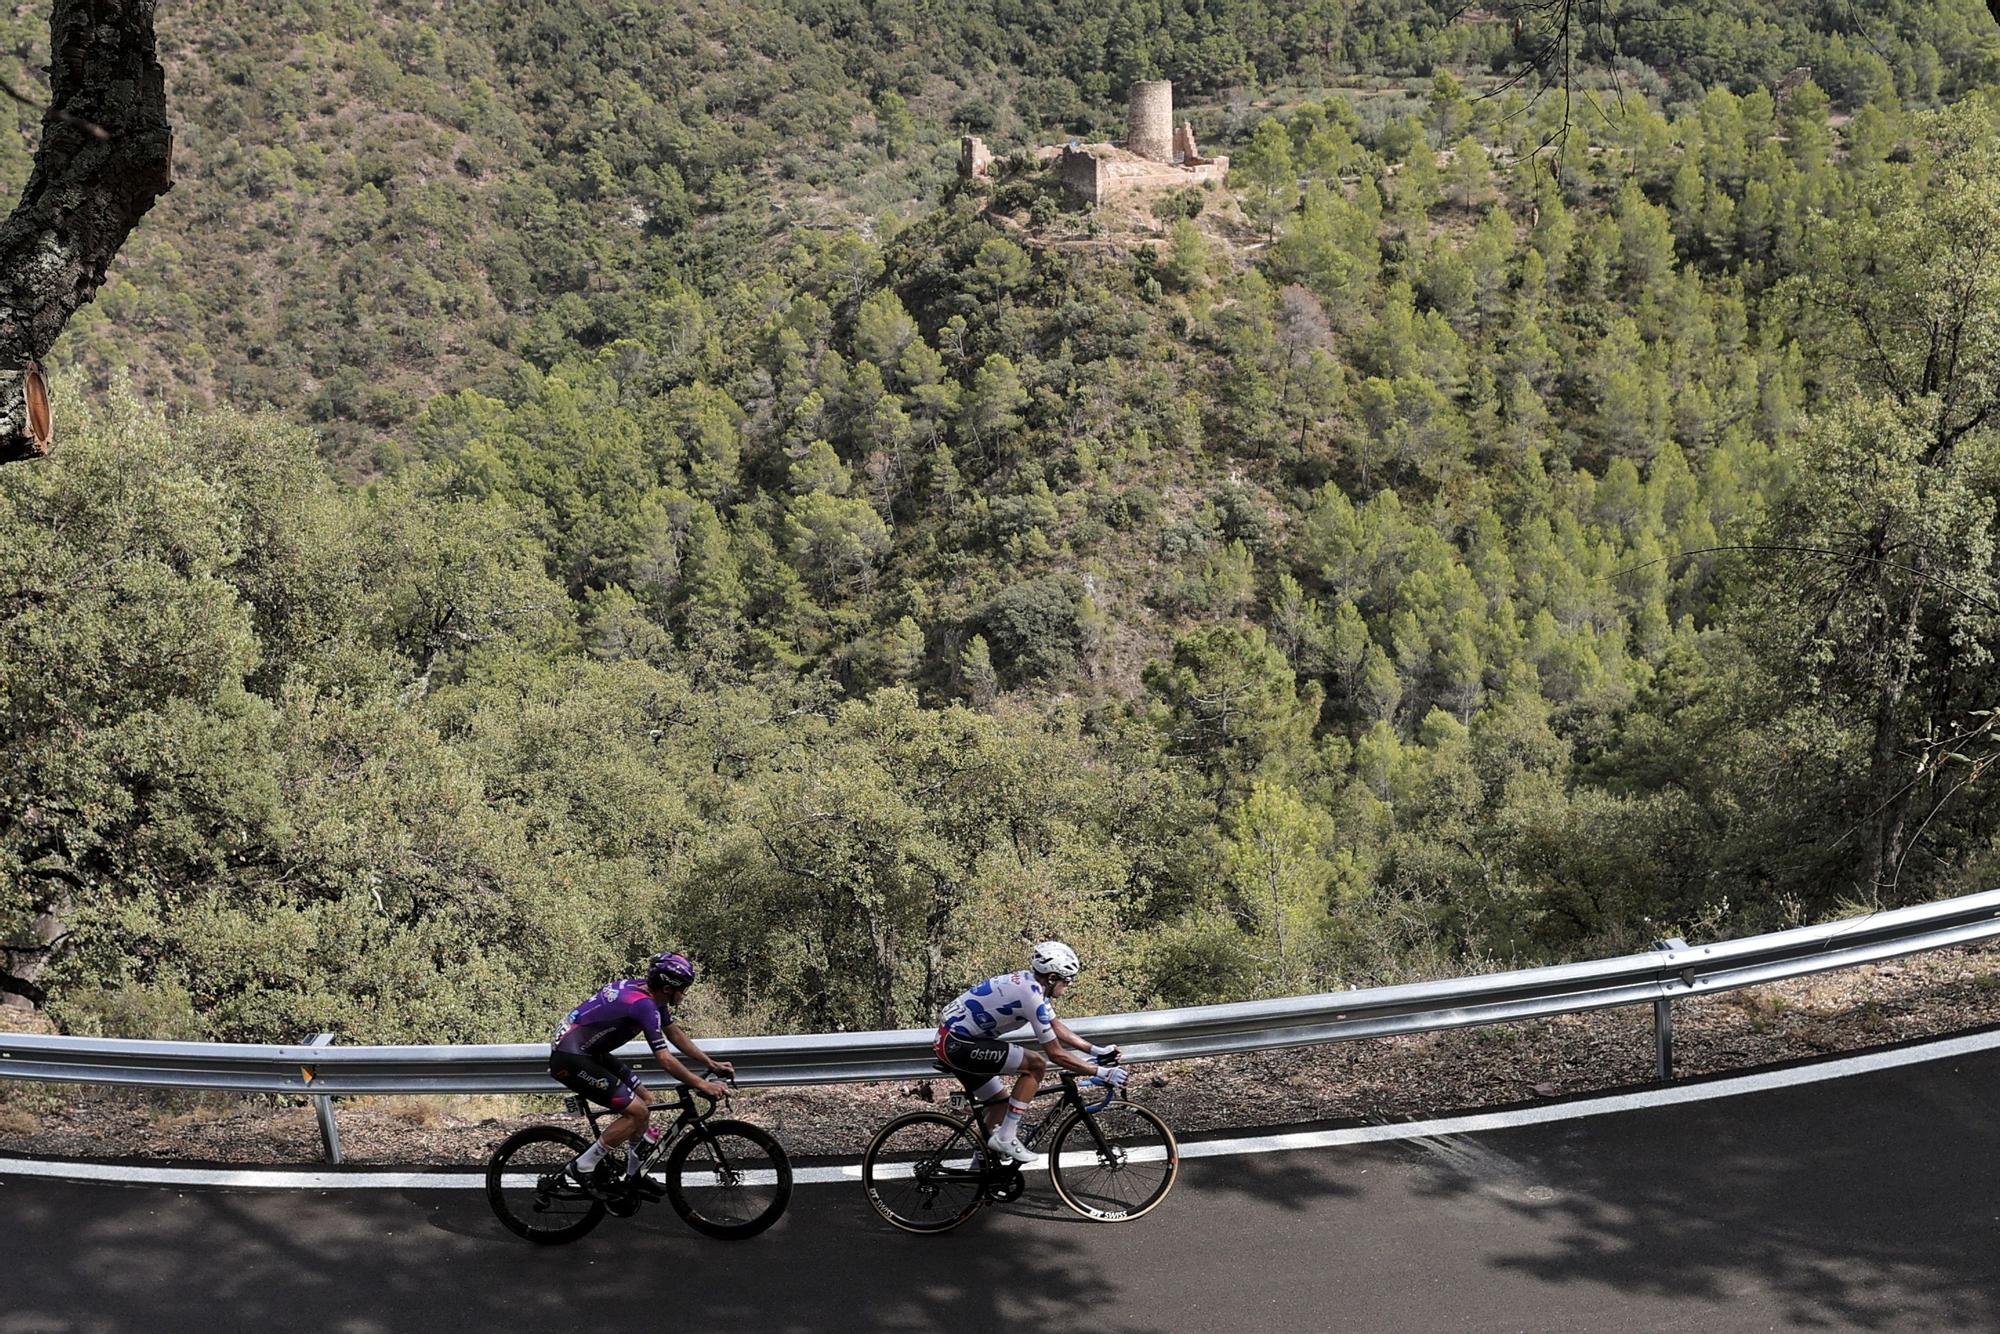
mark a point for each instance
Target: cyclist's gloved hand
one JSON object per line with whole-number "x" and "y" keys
{"x": 1104, "y": 1054}
{"x": 1113, "y": 1075}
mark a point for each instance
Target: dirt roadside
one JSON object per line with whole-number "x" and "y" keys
{"x": 1384, "y": 1079}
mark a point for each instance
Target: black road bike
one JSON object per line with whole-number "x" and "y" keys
{"x": 1110, "y": 1160}
{"x": 725, "y": 1178}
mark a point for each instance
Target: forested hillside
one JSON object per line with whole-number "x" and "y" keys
{"x": 634, "y": 494}
{"x": 380, "y": 203}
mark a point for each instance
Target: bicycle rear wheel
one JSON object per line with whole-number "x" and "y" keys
{"x": 1123, "y": 1178}
{"x": 729, "y": 1179}
{"x": 526, "y": 1187}
{"x": 923, "y": 1172}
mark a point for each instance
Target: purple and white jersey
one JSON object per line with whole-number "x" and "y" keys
{"x": 612, "y": 1018}
{"x": 1000, "y": 1004}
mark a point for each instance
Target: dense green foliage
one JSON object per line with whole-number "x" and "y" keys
{"x": 1416, "y": 557}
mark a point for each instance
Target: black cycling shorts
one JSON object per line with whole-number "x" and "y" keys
{"x": 977, "y": 1060}
{"x": 605, "y": 1080}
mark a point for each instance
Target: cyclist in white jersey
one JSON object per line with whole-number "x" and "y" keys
{"x": 969, "y": 1041}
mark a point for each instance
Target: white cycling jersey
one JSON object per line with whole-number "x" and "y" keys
{"x": 1000, "y": 1004}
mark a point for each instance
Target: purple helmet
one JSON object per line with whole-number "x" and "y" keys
{"x": 670, "y": 970}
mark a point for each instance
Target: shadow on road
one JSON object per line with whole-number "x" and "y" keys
{"x": 91, "y": 1257}
{"x": 1297, "y": 1183}
{"x": 1841, "y": 1211}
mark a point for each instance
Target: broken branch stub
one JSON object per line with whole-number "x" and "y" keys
{"x": 106, "y": 155}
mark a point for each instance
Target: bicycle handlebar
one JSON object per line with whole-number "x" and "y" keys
{"x": 1112, "y": 1092}
{"x": 689, "y": 1091}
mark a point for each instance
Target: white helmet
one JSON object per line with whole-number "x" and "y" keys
{"x": 1052, "y": 958}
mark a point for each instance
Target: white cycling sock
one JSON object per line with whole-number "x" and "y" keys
{"x": 1010, "y": 1125}
{"x": 591, "y": 1156}
{"x": 631, "y": 1162}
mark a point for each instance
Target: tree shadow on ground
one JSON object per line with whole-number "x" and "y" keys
{"x": 93, "y": 1257}
{"x": 1867, "y": 1203}
{"x": 1297, "y": 1182}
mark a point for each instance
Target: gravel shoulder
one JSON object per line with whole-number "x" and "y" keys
{"x": 1373, "y": 1080}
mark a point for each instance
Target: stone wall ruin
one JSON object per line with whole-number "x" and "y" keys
{"x": 1157, "y": 155}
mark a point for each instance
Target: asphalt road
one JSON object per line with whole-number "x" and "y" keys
{"x": 1866, "y": 1203}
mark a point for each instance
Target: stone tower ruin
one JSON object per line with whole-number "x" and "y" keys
{"x": 1156, "y": 155}
{"x": 1149, "y": 128}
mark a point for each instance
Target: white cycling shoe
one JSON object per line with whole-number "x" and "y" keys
{"x": 1010, "y": 1147}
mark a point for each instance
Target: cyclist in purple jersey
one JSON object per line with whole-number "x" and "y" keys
{"x": 970, "y": 1046}
{"x": 582, "y": 1056}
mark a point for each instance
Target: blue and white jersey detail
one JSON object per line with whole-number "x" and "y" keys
{"x": 999, "y": 1005}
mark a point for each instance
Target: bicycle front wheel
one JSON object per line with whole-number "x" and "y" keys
{"x": 923, "y": 1172}
{"x": 729, "y": 1179}
{"x": 526, "y": 1187}
{"x": 1119, "y": 1173}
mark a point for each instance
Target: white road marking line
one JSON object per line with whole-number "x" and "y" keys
{"x": 1671, "y": 1096}
{"x": 1472, "y": 1123}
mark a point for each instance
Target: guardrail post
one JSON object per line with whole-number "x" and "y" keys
{"x": 1663, "y": 1038}
{"x": 328, "y": 1131}
{"x": 1663, "y": 1021}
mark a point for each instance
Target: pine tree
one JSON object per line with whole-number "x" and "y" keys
{"x": 976, "y": 675}
{"x": 991, "y": 410}
{"x": 901, "y": 651}
{"x": 1281, "y": 878}
{"x": 1267, "y": 175}
{"x": 1447, "y": 113}
{"x": 1186, "y": 270}
{"x": 1381, "y": 689}
{"x": 883, "y": 331}
{"x": 1468, "y": 180}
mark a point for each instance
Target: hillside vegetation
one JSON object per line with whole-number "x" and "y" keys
{"x": 620, "y": 508}
{"x": 381, "y": 203}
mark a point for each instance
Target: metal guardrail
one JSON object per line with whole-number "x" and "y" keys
{"x": 1673, "y": 971}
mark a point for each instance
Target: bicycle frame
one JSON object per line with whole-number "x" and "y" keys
{"x": 1066, "y": 1094}
{"x": 689, "y": 1115}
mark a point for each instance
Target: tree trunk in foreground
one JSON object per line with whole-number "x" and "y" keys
{"x": 106, "y": 155}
